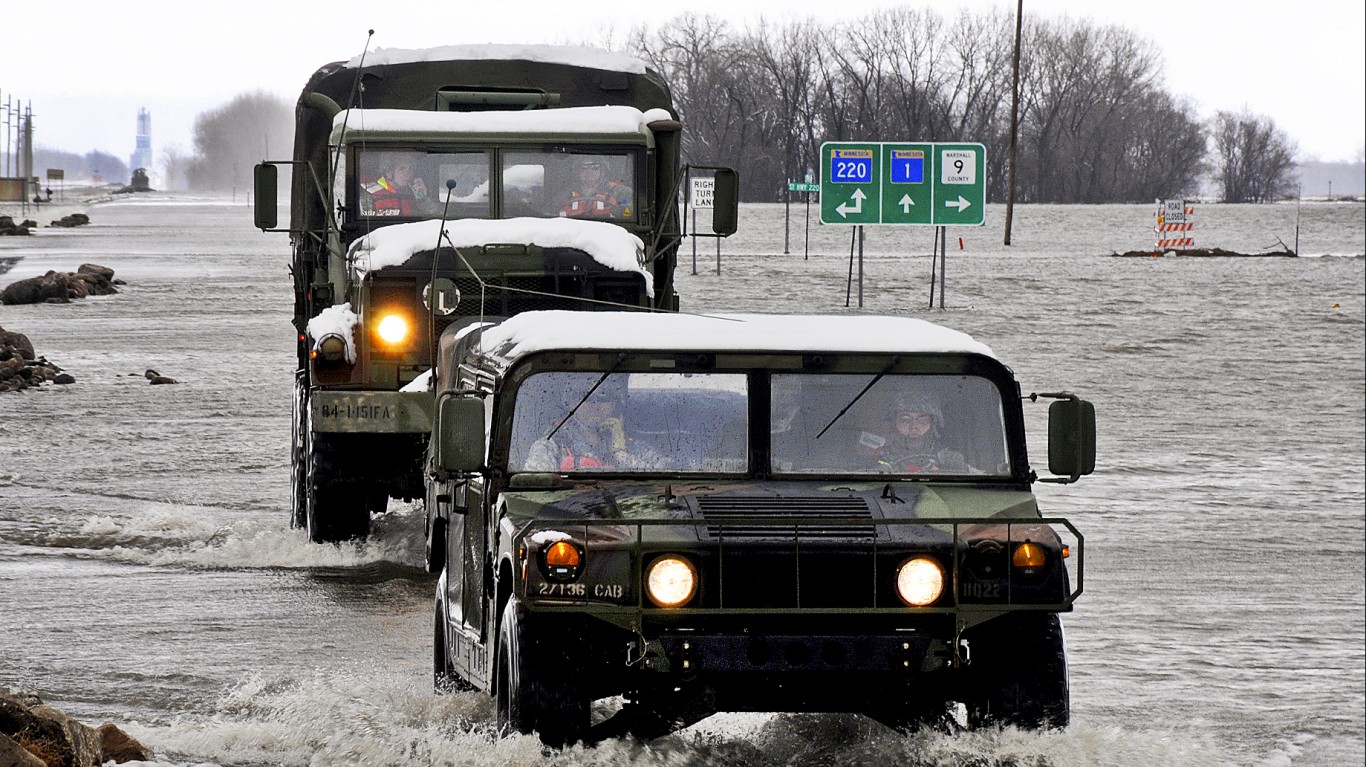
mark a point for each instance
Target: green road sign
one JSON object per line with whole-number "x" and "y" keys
{"x": 797, "y": 186}
{"x": 926, "y": 184}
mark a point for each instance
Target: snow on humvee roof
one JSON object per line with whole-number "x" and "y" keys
{"x": 530, "y": 332}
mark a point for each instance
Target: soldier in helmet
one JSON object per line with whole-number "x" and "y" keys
{"x": 594, "y": 438}
{"x": 596, "y": 194}
{"x": 915, "y": 441}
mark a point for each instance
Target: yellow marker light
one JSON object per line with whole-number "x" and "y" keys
{"x": 919, "y": 581}
{"x": 1029, "y": 555}
{"x": 562, "y": 554}
{"x": 671, "y": 581}
{"x": 392, "y": 329}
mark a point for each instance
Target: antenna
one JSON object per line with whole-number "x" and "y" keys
{"x": 350, "y": 100}
{"x": 431, "y": 282}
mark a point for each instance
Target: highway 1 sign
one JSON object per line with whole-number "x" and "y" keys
{"x": 925, "y": 184}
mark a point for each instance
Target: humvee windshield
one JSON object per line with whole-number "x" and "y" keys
{"x": 818, "y": 424}
{"x": 576, "y": 182}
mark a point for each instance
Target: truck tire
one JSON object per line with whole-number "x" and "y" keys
{"x": 298, "y": 456}
{"x": 1019, "y": 673}
{"x": 336, "y": 505}
{"x": 538, "y": 685}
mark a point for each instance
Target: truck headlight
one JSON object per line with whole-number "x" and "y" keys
{"x": 392, "y": 329}
{"x": 671, "y": 581}
{"x": 919, "y": 581}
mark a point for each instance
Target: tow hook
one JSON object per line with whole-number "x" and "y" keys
{"x": 964, "y": 655}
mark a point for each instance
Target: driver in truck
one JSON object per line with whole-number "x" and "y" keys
{"x": 397, "y": 190}
{"x": 592, "y": 439}
{"x": 915, "y": 442}
{"x": 596, "y": 195}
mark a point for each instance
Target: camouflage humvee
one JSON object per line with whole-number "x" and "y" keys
{"x": 705, "y": 514}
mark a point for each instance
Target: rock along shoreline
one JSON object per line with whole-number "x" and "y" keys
{"x": 34, "y": 734}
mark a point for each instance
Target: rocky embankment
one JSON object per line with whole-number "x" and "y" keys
{"x": 21, "y": 369}
{"x": 61, "y": 287}
{"x": 8, "y": 228}
{"x": 33, "y": 734}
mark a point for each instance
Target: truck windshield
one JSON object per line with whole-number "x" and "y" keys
{"x": 900, "y": 424}
{"x": 409, "y": 184}
{"x": 646, "y": 422}
{"x": 573, "y": 182}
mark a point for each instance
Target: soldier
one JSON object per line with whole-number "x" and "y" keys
{"x": 397, "y": 191}
{"x": 595, "y": 196}
{"x": 915, "y": 443}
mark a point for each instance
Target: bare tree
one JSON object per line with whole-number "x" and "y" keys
{"x": 230, "y": 140}
{"x": 1254, "y": 160}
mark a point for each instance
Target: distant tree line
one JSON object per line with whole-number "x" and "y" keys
{"x": 80, "y": 166}
{"x": 1097, "y": 122}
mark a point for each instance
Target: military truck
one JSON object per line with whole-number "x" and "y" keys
{"x": 747, "y": 513}
{"x": 491, "y": 140}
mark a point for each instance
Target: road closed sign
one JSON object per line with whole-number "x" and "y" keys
{"x": 703, "y": 192}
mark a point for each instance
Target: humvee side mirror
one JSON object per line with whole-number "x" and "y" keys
{"x": 1072, "y": 437}
{"x": 266, "y": 179}
{"x": 725, "y": 202}
{"x": 459, "y": 434}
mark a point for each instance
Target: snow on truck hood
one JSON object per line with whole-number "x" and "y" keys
{"x": 530, "y": 332}
{"x": 567, "y": 121}
{"x": 608, "y": 244}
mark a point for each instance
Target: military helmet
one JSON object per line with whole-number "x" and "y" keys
{"x": 918, "y": 403}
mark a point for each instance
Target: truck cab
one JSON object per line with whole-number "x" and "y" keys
{"x": 746, "y": 513}
{"x": 431, "y": 186}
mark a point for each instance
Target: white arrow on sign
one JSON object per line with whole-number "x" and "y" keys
{"x": 905, "y": 202}
{"x": 960, "y": 203}
{"x": 844, "y": 210}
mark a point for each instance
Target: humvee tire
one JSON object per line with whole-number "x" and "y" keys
{"x": 1019, "y": 672}
{"x": 538, "y": 682}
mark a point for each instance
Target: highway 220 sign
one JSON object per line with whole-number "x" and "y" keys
{"x": 927, "y": 184}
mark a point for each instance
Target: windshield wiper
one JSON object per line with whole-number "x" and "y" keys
{"x": 589, "y": 393}
{"x": 895, "y": 361}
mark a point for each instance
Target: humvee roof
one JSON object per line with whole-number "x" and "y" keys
{"x": 591, "y": 58}
{"x": 531, "y": 332}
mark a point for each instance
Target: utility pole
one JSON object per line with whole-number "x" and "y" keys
{"x": 1014, "y": 119}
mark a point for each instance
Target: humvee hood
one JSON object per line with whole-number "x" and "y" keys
{"x": 719, "y": 503}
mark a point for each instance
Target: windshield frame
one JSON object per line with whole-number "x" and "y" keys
{"x": 759, "y": 370}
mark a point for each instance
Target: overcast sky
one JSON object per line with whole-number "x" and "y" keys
{"x": 87, "y": 66}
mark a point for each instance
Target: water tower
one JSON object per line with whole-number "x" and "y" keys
{"x": 142, "y": 155}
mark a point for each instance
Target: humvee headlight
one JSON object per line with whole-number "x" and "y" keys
{"x": 561, "y": 561}
{"x": 392, "y": 329}
{"x": 919, "y": 581}
{"x": 1029, "y": 556}
{"x": 671, "y": 581}
{"x": 331, "y": 348}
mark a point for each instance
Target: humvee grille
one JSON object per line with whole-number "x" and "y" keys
{"x": 732, "y": 516}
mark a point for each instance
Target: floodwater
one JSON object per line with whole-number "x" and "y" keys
{"x": 148, "y": 576}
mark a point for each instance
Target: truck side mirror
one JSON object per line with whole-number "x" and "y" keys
{"x": 1071, "y": 437}
{"x": 725, "y": 202}
{"x": 459, "y": 434}
{"x": 267, "y": 178}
